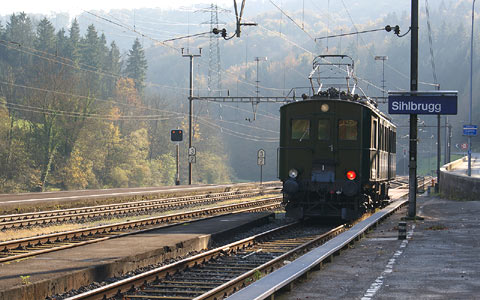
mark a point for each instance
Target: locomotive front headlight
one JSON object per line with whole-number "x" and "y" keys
{"x": 324, "y": 107}
{"x": 293, "y": 173}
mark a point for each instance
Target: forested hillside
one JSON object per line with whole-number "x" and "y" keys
{"x": 74, "y": 113}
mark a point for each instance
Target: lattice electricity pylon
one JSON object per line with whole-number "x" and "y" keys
{"x": 214, "y": 80}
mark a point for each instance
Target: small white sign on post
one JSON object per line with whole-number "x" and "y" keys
{"x": 261, "y": 162}
{"x": 261, "y": 153}
{"x": 192, "y": 151}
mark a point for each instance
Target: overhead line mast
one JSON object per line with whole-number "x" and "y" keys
{"x": 412, "y": 167}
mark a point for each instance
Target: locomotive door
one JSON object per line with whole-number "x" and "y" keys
{"x": 323, "y": 167}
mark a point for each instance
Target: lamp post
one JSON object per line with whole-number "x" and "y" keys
{"x": 383, "y": 58}
{"x": 469, "y": 172}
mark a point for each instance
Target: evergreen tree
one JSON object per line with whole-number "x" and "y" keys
{"x": 45, "y": 40}
{"x": 74, "y": 42}
{"x": 103, "y": 49}
{"x": 89, "y": 48}
{"x": 91, "y": 57}
{"x": 19, "y": 30}
{"x": 114, "y": 62}
{"x": 62, "y": 44}
{"x": 3, "y": 49}
{"x": 113, "y": 66}
{"x": 137, "y": 65}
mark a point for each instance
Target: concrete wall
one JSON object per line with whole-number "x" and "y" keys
{"x": 458, "y": 186}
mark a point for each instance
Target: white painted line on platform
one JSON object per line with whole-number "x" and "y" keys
{"x": 378, "y": 283}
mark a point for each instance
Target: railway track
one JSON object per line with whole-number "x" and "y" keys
{"x": 220, "y": 272}
{"x": 128, "y": 208}
{"x": 208, "y": 275}
{"x": 22, "y": 248}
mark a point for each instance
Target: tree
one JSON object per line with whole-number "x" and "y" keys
{"x": 62, "y": 44}
{"x": 45, "y": 40}
{"x": 137, "y": 65}
{"x": 20, "y": 30}
{"x": 2, "y": 48}
{"x": 73, "y": 51}
{"x": 127, "y": 96}
{"x": 114, "y": 66}
{"x": 89, "y": 49}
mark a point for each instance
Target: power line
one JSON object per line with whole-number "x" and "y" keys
{"x": 240, "y": 134}
{"x": 347, "y": 34}
{"x": 49, "y": 111}
{"x": 34, "y": 109}
{"x": 133, "y": 30}
{"x": 291, "y": 19}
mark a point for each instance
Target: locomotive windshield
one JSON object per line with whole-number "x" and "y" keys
{"x": 300, "y": 129}
{"x": 323, "y": 130}
{"x": 348, "y": 130}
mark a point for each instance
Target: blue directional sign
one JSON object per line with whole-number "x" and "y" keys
{"x": 470, "y": 130}
{"x": 423, "y": 103}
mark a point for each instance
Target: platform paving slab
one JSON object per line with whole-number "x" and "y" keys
{"x": 440, "y": 259}
{"x": 60, "y": 271}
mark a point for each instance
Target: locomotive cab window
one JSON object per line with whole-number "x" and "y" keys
{"x": 300, "y": 129}
{"x": 323, "y": 130}
{"x": 348, "y": 130}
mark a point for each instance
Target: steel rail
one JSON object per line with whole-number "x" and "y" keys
{"x": 251, "y": 276}
{"x": 138, "y": 281}
{"x": 45, "y": 217}
{"x": 268, "y": 286}
{"x": 20, "y": 248}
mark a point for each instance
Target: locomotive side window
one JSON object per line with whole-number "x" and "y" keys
{"x": 374, "y": 134}
{"x": 394, "y": 142}
{"x": 323, "y": 130}
{"x": 348, "y": 130}
{"x": 380, "y": 137}
{"x": 300, "y": 129}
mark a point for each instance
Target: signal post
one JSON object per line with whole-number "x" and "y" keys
{"x": 176, "y": 135}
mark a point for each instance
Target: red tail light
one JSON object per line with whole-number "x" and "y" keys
{"x": 351, "y": 175}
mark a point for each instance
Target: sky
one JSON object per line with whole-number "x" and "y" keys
{"x": 76, "y": 7}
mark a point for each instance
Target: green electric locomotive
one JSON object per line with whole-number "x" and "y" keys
{"x": 337, "y": 150}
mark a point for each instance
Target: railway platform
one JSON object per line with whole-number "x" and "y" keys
{"x": 60, "y": 271}
{"x": 37, "y": 201}
{"x": 438, "y": 260}
{"x": 462, "y": 166}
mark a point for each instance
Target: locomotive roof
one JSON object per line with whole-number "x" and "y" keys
{"x": 367, "y": 103}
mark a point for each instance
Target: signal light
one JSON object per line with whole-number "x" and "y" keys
{"x": 176, "y": 135}
{"x": 351, "y": 175}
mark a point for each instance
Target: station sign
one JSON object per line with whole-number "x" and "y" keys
{"x": 470, "y": 130}
{"x": 423, "y": 103}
